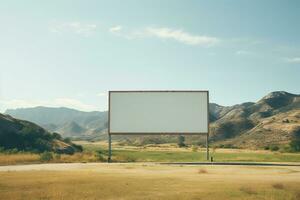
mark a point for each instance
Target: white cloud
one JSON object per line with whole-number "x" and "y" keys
{"x": 58, "y": 102}
{"x": 181, "y": 36}
{"x": 166, "y": 33}
{"x": 74, "y": 27}
{"x": 121, "y": 32}
{"x": 115, "y": 29}
{"x": 293, "y": 60}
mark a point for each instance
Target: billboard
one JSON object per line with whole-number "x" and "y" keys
{"x": 158, "y": 112}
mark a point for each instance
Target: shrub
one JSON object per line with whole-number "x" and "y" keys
{"x": 266, "y": 148}
{"x": 46, "y": 156}
{"x": 227, "y": 146}
{"x": 57, "y": 156}
{"x": 181, "y": 140}
{"x": 100, "y": 155}
{"x": 67, "y": 140}
{"x": 56, "y": 136}
{"x": 151, "y": 140}
{"x": 77, "y": 147}
{"x": 194, "y": 148}
{"x": 13, "y": 151}
{"x": 202, "y": 171}
{"x": 278, "y": 186}
{"x": 295, "y": 145}
{"x": 2, "y": 149}
{"x": 274, "y": 148}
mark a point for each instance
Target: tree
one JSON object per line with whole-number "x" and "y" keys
{"x": 46, "y": 156}
{"x": 181, "y": 140}
{"x": 56, "y": 136}
{"x": 295, "y": 142}
{"x": 295, "y": 145}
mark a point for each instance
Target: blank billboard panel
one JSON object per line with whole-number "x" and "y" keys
{"x": 158, "y": 112}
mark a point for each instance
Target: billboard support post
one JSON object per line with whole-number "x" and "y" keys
{"x": 207, "y": 148}
{"x": 207, "y": 135}
{"x": 109, "y": 148}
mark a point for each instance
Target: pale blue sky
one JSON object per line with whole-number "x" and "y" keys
{"x": 70, "y": 53}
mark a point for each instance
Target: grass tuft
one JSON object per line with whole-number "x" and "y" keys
{"x": 248, "y": 190}
{"x": 297, "y": 195}
{"x": 202, "y": 171}
{"x": 278, "y": 186}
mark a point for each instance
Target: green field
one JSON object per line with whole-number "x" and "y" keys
{"x": 174, "y": 154}
{"x": 171, "y": 156}
{"x": 97, "y": 152}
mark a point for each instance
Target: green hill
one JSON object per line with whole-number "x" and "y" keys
{"x": 26, "y": 136}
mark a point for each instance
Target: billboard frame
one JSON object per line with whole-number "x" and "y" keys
{"x": 155, "y": 133}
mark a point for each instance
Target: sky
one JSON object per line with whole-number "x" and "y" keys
{"x": 71, "y": 53}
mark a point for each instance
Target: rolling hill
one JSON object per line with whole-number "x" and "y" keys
{"x": 27, "y": 136}
{"x": 274, "y": 119}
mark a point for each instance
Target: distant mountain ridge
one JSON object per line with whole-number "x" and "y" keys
{"x": 273, "y": 119}
{"x": 66, "y": 121}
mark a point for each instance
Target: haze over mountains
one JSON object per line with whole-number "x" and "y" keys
{"x": 68, "y": 122}
{"x": 272, "y": 120}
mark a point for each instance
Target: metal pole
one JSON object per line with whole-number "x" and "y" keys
{"x": 109, "y": 148}
{"x": 207, "y": 148}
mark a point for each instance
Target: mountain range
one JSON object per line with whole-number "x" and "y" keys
{"x": 274, "y": 119}
{"x": 68, "y": 122}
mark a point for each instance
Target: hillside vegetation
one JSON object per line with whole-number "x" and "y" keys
{"x": 20, "y": 135}
{"x": 275, "y": 119}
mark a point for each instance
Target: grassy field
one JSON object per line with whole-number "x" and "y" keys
{"x": 171, "y": 153}
{"x": 158, "y": 153}
{"x": 171, "y": 156}
{"x": 152, "y": 181}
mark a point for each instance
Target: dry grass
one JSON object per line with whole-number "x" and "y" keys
{"x": 138, "y": 181}
{"x": 12, "y": 159}
{"x": 78, "y": 157}
{"x": 28, "y": 158}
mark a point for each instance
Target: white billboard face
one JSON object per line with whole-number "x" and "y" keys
{"x": 158, "y": 112}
